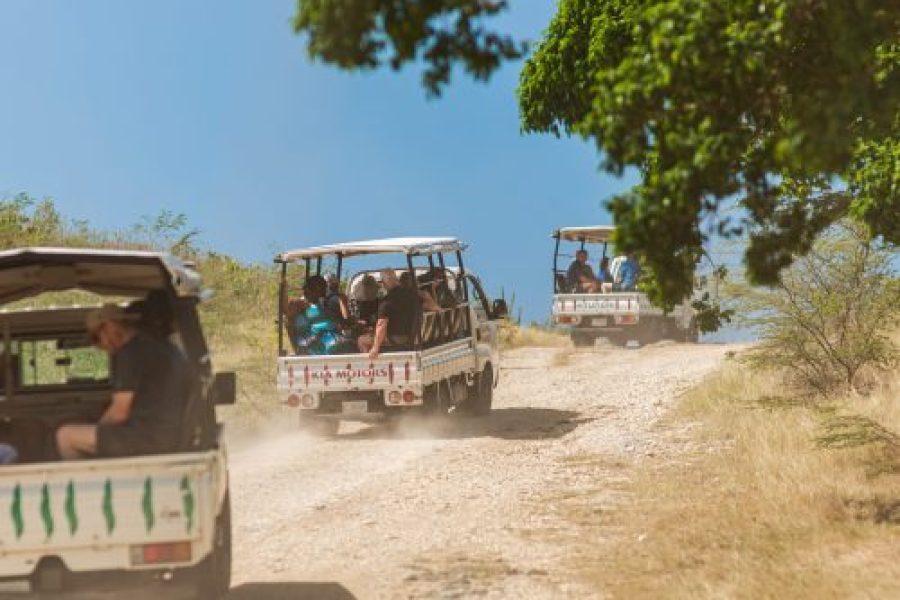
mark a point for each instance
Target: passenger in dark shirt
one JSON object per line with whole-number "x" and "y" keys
{"x": 580, "y": 276}
{"x": 396, "y": 317}
{"x": 151, "y": 383}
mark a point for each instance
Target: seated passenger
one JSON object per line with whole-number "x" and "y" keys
{"x": 436, "y": 278}
{"x": 604, "y": 276}
{"x": 365, "y": 295}
{"x": 336, "y": 302}
{"x": 396, "y": 318}
{"x": 316, "y": 329}
{"x": 580, "y": 277}
{"x": 628, "y": 273}
{"x": 425, "y": 298}
{"x": 151, "y": 383}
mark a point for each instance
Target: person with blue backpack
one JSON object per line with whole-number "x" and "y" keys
{"x": 315, "y": 326}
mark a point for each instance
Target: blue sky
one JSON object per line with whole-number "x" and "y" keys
{"x": 212, "y": 109}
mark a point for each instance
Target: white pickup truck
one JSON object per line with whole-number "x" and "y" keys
{"x": 452, "y": 359}
{"x": 104, "y": 527}
{"x": 615, "y": 314}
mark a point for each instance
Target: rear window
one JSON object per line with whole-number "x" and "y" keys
{"x": 71, "y": 360}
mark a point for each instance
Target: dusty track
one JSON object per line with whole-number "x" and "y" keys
{"x": 466, "y": 508}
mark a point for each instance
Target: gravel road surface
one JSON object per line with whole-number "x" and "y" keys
{"x": 462, "y": 508}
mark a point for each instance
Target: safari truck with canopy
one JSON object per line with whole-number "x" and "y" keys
{"x": 105, "y": 526}
{"x": 450, "y": 361}
{"x": 610, "y": 310}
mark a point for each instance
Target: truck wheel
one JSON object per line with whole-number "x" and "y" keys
{"x": 213, "y": 574}
{"x": 482, "y": 396}
{"x": 323, "y": 428}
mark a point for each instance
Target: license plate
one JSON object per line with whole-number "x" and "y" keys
{"x": 354, "y": 407}
{"x": 599, "y": 322}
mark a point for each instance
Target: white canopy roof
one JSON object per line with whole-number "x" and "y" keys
{"x": 404, "y": 245}
{"x": 27, "y": 272}
{"x": 593, "y": 235}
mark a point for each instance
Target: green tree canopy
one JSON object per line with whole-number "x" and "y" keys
{"x": 790, "y": 108}
{"x": 364, "y": 34}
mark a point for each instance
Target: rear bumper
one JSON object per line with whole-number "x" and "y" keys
{"x": 135, "y": 585}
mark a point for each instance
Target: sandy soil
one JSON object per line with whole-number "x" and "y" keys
{"x": 462, "y": 508}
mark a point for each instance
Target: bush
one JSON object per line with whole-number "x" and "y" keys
{"x": 830, "y": 319}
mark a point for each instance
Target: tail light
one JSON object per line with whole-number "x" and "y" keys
{"x": 394, "y": 397}
{"x": 566, "y": 319}
{"x": 155, "y": 554}
{"x": 308, "y": 401}
{"x": 627, "y": 320}
{"x": 293, "y": 400}
{"x": 409, "y": 397}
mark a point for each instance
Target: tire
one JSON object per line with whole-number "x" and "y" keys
{"x": 213, "y": 575}
{"x": 481, "y": 397}
{"x": 322, "y": 428}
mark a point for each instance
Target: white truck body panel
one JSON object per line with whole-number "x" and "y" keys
{"x": 398, "y": 371}
{"x": 90, "y": 513}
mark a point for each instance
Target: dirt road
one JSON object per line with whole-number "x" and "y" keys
{"x": 465, "y": 509}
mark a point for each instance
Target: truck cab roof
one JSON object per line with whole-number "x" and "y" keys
{"x": 597, "y": 234}
{"x": 26, "y": 272}
{"x": 412, "y": 246}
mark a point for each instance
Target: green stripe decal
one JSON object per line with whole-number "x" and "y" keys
{"x": 16, "y": 511}
{"x": 187, "y": 500}
{"x": 71, "y": 508}
{"x": 47, "y": 511}
{"x": 147, "y": 505}
{"x": 108, "y": 513}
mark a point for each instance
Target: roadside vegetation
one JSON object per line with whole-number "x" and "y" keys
{"x": 782, "y": 474}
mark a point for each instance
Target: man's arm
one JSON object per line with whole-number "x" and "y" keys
{"x": 119, "y": 409}
{"x": 381, "y": 327}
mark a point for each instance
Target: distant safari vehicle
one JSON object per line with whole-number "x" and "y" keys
{"x": 616, "y": 314}
{"x": 105, "y": 527}
{"x": 450, "y": 361}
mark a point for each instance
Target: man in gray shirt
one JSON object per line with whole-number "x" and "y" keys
{"x": 150, "y": 386}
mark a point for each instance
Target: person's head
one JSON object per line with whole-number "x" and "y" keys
{"x": 581, "y": 256}
{"x": 365, "y": 290}
{"x": 389, "y": 279}
{"x": 315, "y": 288}
{"x": 406, "y": 279}
{"x": 110, "y": 327}
{"x": 604, "y": 263}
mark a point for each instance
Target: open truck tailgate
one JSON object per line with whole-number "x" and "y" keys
{"x": 94, "y": 515}
{"x": 621, "y": 303}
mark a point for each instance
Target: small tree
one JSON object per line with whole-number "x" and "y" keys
{"x": 832, "y": 314}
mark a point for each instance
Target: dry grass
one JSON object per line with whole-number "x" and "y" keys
{"x": 767, "y": 497}
{"x": 514, "y": 336}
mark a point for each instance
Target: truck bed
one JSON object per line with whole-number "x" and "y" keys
{"x": 92, "y": 514}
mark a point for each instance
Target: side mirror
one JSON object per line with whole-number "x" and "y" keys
{"x": 500, "y": 310}
{"x": 224, "y": 388}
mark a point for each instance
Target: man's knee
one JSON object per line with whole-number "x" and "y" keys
{"x": 76, "y": 441}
